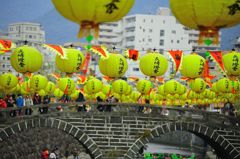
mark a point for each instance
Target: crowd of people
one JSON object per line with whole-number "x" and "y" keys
{"x": 55, "y": 154}
{"x": 23, "y": 105}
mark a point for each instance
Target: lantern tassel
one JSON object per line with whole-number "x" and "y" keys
{"x": 86, "y": 27}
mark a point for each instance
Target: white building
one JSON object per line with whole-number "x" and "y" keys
{"x": 21, "y": 33}
{"x": 237, "y": 44}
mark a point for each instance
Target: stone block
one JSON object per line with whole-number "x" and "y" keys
{"x": 115, "y": 119}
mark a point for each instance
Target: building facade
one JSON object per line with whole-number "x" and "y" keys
{"x": 23, "y": 33}
{"x": 237, "y": 44}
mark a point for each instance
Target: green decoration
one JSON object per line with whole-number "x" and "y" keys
{"x": 148, "y": 156}
{"x": 207, "y": 54}
{"x": 192, "y": 157}
{"x": 208, "y": 42}
{"x": 160, "y": 156}
{"x": 89, "y": 38}
{"x": 89, "y": 47}
{"x": 174, "y": 156}
{"x": 26, "y": 79}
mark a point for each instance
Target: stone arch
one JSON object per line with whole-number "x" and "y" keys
{"x": 222, "y": 146}
{"x": 61, "y": 125}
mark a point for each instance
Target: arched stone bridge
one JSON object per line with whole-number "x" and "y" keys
{"x": 123, "y": 132}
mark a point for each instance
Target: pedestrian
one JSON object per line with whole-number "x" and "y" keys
{"x": 140, "y": 108}
{"x": 19, "y": 103}
{"x": 46, "y": 100}
{"x": 11, "y": 104}
{"x": 45, "y": 154}
{"x": 67, "y": 153}
{"x": 75, "y": 153}
{"x": 27, "y": 102}
{"x": 81, "y": 107}
{"x": 111, "y": 99}
{"x": 100, "y": 107}
{"x": 3, "y": 103}
{"x": 53, "y": 154}
{"x": 37, "y": 101}
{"x": 164, "y": 108}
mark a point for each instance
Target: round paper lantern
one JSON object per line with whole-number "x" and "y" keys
{"x": 89, "y": 14}
{"x": 120, "y": 86}
{"x": 66, "y": 85}
{"x": 26, "y": 59}
{"x": 161, "y": 90}
{"x": 192, "y": 66}
{"x": 135, "y": 95}
{"x": 144, "y": 86}
{"x": 8, "y": 80}
{"x": 171, "y": 87}
{"x": 74, "y": 95}
{"x": 42, "y": 93}
{"x": 58, "y": 93}
{"x": 38, "y": 82}
{"x": 181, "y": 89}
{"x": 214, "y": 87}
{"x": 50, "y": 87}
{"x": 236, "y": 85}
{"x": 232, "y": 63}
{"x": 153, "y": 64}
{"x": 114, "y": 66}
{"x": 94, "y": 85}
{"x": 208, "y": 16}
{"x": 73, "y": 63}
{"x": 224, "y": 85}
{"x": 198, "y": 85}
{"x": 106, "y": 89}
{"x": 129, "y": 90}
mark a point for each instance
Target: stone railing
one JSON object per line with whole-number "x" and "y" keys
{"x": 174, "y": 113}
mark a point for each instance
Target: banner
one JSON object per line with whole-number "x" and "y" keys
{"x": 176, "y": 57}
{"x": 216, "y": 56}
{"x": 59, "y": 50}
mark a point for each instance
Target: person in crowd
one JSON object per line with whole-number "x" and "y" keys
{"x": 110, "y": 99}
{"x": 46, "y": 100}
{"x": 3, "y": 103}
{"x": 45, "y": 154}
{"x": 59, "y": 108}
{"x": 140, "y": 108}
{"x": 67, "y": 152}
{"x": 19, "y": 103}
{"x": 100, "y": 107}
{"x": 10, "y": 104}
{"x": 65, "y": 99}
{"x": 27, "y": 102}
{"x": 53, "y": 154}
{"x": 81, "y": 107}
{"x": 186, "y": 105}
{"x": 75, "y": 153}
{"x": 164, "y": 108}
{"x": 37, "y": 99}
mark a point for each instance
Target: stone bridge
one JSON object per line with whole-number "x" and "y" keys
{"x": 124, "y": 131}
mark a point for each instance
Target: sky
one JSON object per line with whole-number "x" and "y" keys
{"x": 60, "y": 30}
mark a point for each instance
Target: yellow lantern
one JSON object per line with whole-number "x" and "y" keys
{"x": 94, "y": 85}
{"x": 50, "y": 87}
{"x": 66, "y": 85}
{"x": 208, "y": 16}
{"x": 236, "y": 85}
{"x": 191, "y": 95}
{"x": 184, "y": 96}
{"x": 153, "y": 64}
{"x": 214, "y": 87}
{"x": 26, "y": 59}
{"x": 198, "y": 85}
{"x": 58, "y": 93}
{"x": 106, "y": 89}
{"x": 135, "y": 95}
{"x": 144, "y": 86}
{"x": 42, "y": 93}
{"x": 8, "y": 80}
{"x": 129, "y": 90}
{"x": 171, "y": 87}
{"x": 89, "y": 14}
{"x": 101, "y": 95}
{"x": 74, "y": 95}
{"x": 181, "y": 89}
{"x": 224, "y": 85}
{"x": 73, "y": 63}
{"x": 161, "y": 90}
{"x": 120, "y": 86}
{"x": 38, "y": 82}
{"x": 114, "y": 66}
{"x": 192, "y": 66}
{"x": 232, "y": 63}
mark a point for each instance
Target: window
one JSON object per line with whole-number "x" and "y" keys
{"x": 173, "y": 31}
{"x": 8, "y": 58}
{"x": 3, "y": 58}
{"x": 164, "y": 22}
{"x": 143, "y": 39}
{"x": 151, "y": 21}
{"x": 162, "y": 32}
{"x": 171, "y": 41}
{"x": 149, "y": 40}
{"x": 161, "y": 51}
{"x": 178, "y": 41}
{"x": 150, "y": 30}
{"x": 30, "y": 36}
{"x": 11, "y": 29}
{"x": 135, "y": 69}
{"x": 161, "y": 43}
{"x": 3, "y": 66}
{"x": 143, "y": 30}
{"x": 144, "y": 20}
